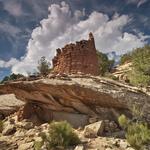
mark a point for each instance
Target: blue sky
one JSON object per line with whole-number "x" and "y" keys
{"x": 32, "y": 28}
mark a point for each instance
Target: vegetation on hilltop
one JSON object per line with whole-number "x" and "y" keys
{"x": 11, "y": 77}
{"x": 105, "y": 65}
{"x": 43, "y": 66}
{"x": 126, "y": 58}
{"x": 136, "y": 129}
{"x": 43, "y": 70}
{"x": 140, "y": 58}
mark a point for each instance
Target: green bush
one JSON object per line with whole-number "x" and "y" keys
{"x": 1, "y": 126}
{"x": 43, "y": 66}
{"x": 138, "y": 135}
{"x": 126, "y": 58}
{"x": 140, "y": 74}
{"x": 137, "y": 131}
{"x": 105, "y": 65}
{"x": 38, "y": 145}
{"x": 60, "y": 136}
{"x": 123, "y": 121}
{"x": 141, "y": 60}
{"x": 138, "y": 78}
{"x": 11, "y": 77}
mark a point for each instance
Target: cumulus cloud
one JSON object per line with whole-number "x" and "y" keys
{"x": 63, "y": 26}
{"x": 7, "y": 64}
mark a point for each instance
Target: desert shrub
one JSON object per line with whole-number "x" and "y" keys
{"x": 38, "y": 145}
{"x": 1, "y": 126}
{"x": 60, "y": 136}
{"x": 140, "y": 74}
{"x": 136, "y": 129}
{"x": 105, "y": 65}
{"x": 141, "y": 60}
{"x": 43, "y": 66}
{"x": 126, "y": 58}
{"x": 138, "y": 78}
{"x": 138, "y": 135}
{"x": 11, "y": 77}
{"x": 123, "y": 121}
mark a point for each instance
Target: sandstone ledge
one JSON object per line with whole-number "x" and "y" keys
{"x": 79, "y": 94}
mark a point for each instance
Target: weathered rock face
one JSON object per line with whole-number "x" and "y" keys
{"x": 121, "y": 72}
{"x": 9, "y": 104}
{"x": 77, "y": 58}
{"x": 91, "y": 96}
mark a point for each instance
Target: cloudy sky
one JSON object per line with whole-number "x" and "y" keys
{"x": 30, "y": 29}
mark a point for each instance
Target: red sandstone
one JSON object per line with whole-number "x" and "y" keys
{"x": 77, "y": 58}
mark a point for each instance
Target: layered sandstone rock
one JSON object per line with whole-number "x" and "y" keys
{"x": 88, "y": 95}
{"x": 121, "y": 72}
{"x": 77, "y": 58}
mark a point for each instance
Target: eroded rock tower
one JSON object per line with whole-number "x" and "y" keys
{"x": 77, "y": 58}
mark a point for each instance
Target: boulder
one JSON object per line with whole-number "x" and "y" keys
{"x": 9, "y": 104}
{"x": 26, "y": 146}
{"x": 27, "y": 125}
{"x": 79, "y": 147}
{"x": 9, "y": 129}
{"x": 94, "y": 130}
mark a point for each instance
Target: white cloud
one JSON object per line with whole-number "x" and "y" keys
{"x": 7, "y": 64}
{"x": 141, "y": 2}
{"x": 13, "y": 7}
{"x": 62, "y": 27}
{"x": 10, "y": 29}
{"x": 137, "y": 2}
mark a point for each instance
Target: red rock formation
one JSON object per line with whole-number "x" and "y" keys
{"x": 77, "y": 58}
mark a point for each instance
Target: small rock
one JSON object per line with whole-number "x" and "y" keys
{"x": 130, "y": 148}
{"x": 123, "y": 144}
{"x": 19, "y": 134}
{"x": 9, "y": 129}
{"x": 94, "y": 130}
{"x": 116, "y": 143}
{"x": 31, "y": 132}
{"x": 45, "y": 125}
{"x": 12, "y": 121}
{"x": 93, "y": 119}
{"x": 108, "y": 148}
{"x": 79, "y": 147}
{"x": 118, "y": 134}
{"x": 26, "y": 146}
{"x": 27, "y": 125}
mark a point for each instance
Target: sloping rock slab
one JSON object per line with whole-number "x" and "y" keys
{"x": 79, "y": 94}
